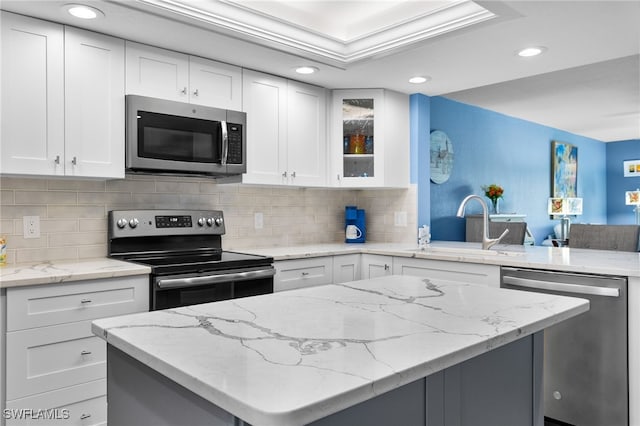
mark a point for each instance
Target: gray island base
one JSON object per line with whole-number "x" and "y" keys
{"x": 501, "y": 387}
{"x": 392, "y": 350}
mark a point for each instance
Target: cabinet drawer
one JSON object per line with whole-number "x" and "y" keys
{"x": 471, "y": 273}
{"x": 80, "y": 405}
{"x": 51, "y": 304}
{"x": 301, "y": 273}
{"x": 48, "y": 358}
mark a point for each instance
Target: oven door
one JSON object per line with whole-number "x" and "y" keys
{"x": 175, "y": 137}
{"x": 173, "y": 291}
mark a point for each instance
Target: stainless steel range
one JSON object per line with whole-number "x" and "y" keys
{"x": 184, "y": 250}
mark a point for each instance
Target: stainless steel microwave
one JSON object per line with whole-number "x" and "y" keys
{"x": 179, "y": 138}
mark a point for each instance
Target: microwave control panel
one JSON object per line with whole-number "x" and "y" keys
{"x": 235, "y": 144}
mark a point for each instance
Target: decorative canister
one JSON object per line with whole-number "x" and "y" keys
{"x": 3, "y": 251}
{"x": 368, "y": 145}
{"x": 356, "y": 146}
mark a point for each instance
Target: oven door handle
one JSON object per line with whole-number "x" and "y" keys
{"x": 214, "y": 279}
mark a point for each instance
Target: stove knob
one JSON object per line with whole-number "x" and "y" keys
{"x": 218, "y": 221}
{"x": 133, "y": 222}
{"x": 201, "y": 221}
{"x": 122, "y": 222}
{"x": 210, "y": 221}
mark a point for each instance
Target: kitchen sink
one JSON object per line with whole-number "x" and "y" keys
{"x": 464, "y": 251}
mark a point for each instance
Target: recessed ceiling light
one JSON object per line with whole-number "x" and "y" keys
{"x": 531, "y": 51}
{"x": 419, "y": 79}
{"x": 83, "y": 12}
{"x": 306, "y": 69}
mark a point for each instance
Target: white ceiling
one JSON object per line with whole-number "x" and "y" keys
{"x": 587, "y": 82}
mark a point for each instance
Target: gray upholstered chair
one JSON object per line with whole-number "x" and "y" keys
{"x": 605, "y": 237}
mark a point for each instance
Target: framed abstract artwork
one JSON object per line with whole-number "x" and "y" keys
{"x": 564, "y": 170}
{"x": 631, "y": 168}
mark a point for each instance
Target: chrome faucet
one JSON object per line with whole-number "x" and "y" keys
{"x": 487, "y": 242}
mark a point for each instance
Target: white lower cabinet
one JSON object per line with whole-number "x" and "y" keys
{"x": 472, "y": 273}
{"x": 55, "y": 366}
{"x": 346, "y": 268}
{"x": 48, "y": 358}
{"x": 375, "y": 265}
{"x": 79, "y": 405}
{"x": 300, "y": 273}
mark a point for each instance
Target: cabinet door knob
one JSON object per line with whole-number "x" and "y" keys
{"x": 293, "y": 174}
{"x": 85, "y": 353}
{"x": 85, "y": 416}
{"x": 83, "y": 301}
{"x": 184, "y": 91}
{"x": 386, "y": 267}
{"x": 338, "y": 176}
{"x": 195, "y": 92}
{"x": 304, "y": 274}
{"x": 74, "y": 161}
{"x": 284, "y": 174}
{"x": 57, "y": 160}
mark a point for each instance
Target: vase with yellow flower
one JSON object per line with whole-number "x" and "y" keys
{"x": 494, "y": 193}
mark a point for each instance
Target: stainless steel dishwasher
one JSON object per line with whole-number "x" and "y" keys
{"x": 585, "y": 357}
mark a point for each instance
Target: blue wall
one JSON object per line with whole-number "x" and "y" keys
{"x": 494, "y": 148}
{"x": 617, "y": 212}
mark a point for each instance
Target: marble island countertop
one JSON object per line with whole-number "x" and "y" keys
{"x": 564, "y": 259}
{"x": 293, "y": 357}
{"x": 66, "y": 271}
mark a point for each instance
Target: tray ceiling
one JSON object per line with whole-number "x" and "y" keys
{"x": 333, "y": 32}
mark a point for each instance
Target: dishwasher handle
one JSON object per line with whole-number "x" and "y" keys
{"x": 564, "y": 287}
{"x": 215, "y": 279}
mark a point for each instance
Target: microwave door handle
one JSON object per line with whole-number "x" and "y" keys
{"x": 225, "y": 143}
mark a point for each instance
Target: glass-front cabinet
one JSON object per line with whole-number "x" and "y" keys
{"x": 358, "y": 124}
{"x": 362, "y": 120}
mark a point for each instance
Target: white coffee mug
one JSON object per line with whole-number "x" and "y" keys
{"x": 353, "y": 232}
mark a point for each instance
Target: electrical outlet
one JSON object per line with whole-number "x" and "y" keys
{"x": 258, "y": 220}
{"x": 400, "y": 219}
{"x": 31, "y": 226}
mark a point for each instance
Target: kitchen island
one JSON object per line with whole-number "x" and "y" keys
{"x": 397, "y": 347}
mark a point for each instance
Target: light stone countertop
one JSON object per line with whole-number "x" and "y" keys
{"x": 67, "y": 271}
{"x": 537, "y": 257}
{"x": 293, "y": 357}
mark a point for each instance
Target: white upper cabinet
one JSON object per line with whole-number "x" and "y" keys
{"x": 32, "y": 96}
{"x": 369, "y": 139}
{"x": 165, "y": 74}
{"x": 157, "y": 73}
{"x": 265, "y": 102}
{"x": 94, "y": 104}
{"x": 286, "y": 122}
{"x": 306, "y": 134}
{"x": 62, "y": 100}
{"x": 215, "y": 84}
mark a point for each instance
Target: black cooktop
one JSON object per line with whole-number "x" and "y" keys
{"x": 198, "y": 261}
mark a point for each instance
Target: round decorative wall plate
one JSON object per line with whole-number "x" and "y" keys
{"x": 441, "y": 157}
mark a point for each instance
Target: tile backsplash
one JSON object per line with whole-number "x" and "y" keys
{"x": 73, "y": 212}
